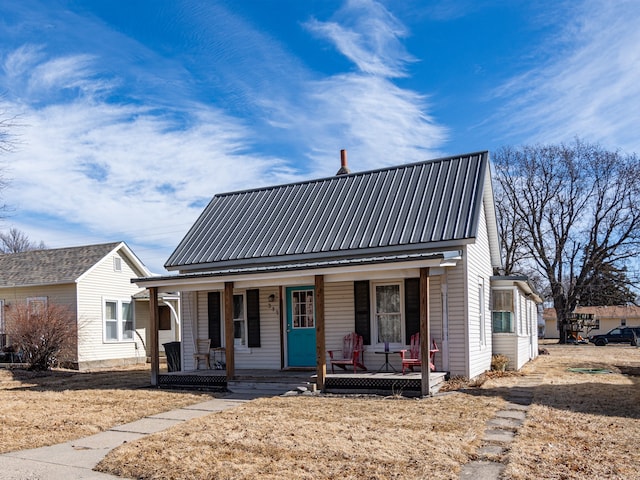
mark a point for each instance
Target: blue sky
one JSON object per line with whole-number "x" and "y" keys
{"x": 133, "y": 114}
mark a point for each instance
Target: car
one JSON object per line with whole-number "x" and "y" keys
{"x": 617, "y": 335}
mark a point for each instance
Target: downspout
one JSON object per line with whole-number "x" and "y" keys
{"x": 445, "y": 320}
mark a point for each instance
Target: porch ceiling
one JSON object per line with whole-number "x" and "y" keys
{"x": 405, "y": 265}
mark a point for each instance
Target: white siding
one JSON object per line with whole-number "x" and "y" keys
{"x": 479, "y": 270}
{"x": 64, "y": 295}
{"x": 101, "y": 283}
{"x": 268, "y": 355}
{"x": 339, "y": 311}
{"x": 522, "y": 345}
{"x": 457, "y": 307}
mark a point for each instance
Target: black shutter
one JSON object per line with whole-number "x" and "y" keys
{"x": 362, "y": 309}
{"x": 253, "y": 318}
{"x": 411, "y": 308}
{"x": 214, "y": 319}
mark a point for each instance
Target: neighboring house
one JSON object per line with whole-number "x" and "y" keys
{"x": 606, "y": 318}
{"x": 94, "y": 281}
{"x": 514, "y": 313}
{"x": 278, "y": 275}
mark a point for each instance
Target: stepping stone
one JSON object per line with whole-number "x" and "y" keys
{"x": 516, "y": 414}
{"x": 481, "y": 470}
{"x": 492, "y": 450}
{"x": 516, "y": 406}
{"x": 506, "y": 423}
{"x": 501, "y": 436}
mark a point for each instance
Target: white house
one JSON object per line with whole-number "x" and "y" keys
{"x": 278, "y": 275}
{"x": 94, "y": 281}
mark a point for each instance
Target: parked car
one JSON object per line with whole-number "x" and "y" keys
{"x": 617, "y": 335}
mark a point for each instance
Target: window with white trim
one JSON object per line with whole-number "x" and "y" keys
{"x": 36, "y": 305}
{"x": 118, "y": 320}
{"x": 387, "y": 313}
{"x": 481, "y": 313}
{"x": 239, "y": 321}
{"x": 502, "y": 311}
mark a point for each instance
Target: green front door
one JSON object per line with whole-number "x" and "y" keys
{"x": 301, "y": 327}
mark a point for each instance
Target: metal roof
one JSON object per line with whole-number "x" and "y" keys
{"x": 51, "y": 266}
{"x": 406, "y": 208}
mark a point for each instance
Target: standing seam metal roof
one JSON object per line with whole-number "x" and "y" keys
{"x": 408, "y": 206}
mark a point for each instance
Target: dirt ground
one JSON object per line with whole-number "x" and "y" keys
{"x": 582, "y": 424}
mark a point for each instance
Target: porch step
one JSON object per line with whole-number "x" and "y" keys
{"x": 273, "y": 385}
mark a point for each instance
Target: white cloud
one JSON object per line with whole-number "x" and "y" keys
{"x": 368, "y": 35}
{"x": 100, "y": 163}
{"x": 588, "y": 87}
{"x": 122, "y": 170}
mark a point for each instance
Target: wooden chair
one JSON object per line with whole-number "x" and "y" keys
{"x": 202, "y": 352}
{"x": 351, "y": 353}
{"x": 411, "y": 358}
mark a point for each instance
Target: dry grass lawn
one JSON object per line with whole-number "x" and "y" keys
{"x": 315, "y": 438}
{"x": 580, "y": 425}
{"x": 38, "y": 409}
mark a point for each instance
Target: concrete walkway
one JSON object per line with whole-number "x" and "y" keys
{"x": 75, "y": 459}
{"x": 500, "y": 432}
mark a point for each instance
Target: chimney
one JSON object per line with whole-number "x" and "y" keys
{"x": 344, "y": 169}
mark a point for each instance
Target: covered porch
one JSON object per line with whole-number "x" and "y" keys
{"x": 271, "y": 298}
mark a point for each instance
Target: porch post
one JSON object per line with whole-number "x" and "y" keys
{"x": 425, "y": 332}
{"x": 321, "y": 359}
{"x": 153, "y": 341}
{"x": 228, "y": 330}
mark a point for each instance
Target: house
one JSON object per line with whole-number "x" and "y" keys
{"x": 514, "y": 316}
{"x": 276, "y": 276}
{"x": 94, "y": 281}
{"x": 606, "y": 318}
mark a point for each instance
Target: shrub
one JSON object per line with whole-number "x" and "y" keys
{"x": 45, "y": 336}
{"x": 499, "y": 362}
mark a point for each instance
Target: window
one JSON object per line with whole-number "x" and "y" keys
{"x": 118, "y": 321}
{"x": 3, "y": 332}
{"x": 502, "y": 311}
{"x": 36, "y": 305}
{"x": 623, "y": 322}
{"x": 164, "y": 318}
{"x": 387, "y": 313}
{"x": 303, "y": 309}
{"x": 117, "y": 264}
{"x": 481, "y": 314}
{"x": 239, "y": 321}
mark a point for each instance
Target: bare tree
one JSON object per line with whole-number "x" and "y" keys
{"x": 576, "y": 209}
{"x": 15, "y": 241}
{"x": 46, "y": 334}
{"x": 6, "y": 145}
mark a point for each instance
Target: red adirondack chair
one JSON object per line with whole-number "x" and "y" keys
{"x": 351, "y": 353}
{"x": 411, "y": 358}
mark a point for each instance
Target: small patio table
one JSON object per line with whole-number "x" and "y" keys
{"x": 386, "y": 364}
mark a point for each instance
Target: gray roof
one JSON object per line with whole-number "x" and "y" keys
{"x": 408, "y": 208}
{"x": 49, "y": 267}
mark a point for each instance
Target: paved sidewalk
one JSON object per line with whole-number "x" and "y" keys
{"x": 75, "y": 459}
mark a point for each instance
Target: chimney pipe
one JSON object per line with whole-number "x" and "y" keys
{"x": 344, "y": 168}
